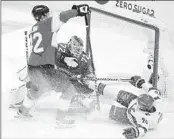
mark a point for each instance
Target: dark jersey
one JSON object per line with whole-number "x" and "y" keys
{"x": 41, "y": 39}
{"x": 83, "y": 61}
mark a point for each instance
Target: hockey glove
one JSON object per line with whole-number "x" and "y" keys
{"x": 130, "y": 133}
{"x": 137, "y": 81}
{"x": 71, "y": 62}
{"x": 81, "y": 9}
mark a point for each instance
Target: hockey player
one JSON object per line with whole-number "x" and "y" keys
{"x": 41, "y": 65}
{"x": 73, "y": 61}
{"x": 142, "y": 111}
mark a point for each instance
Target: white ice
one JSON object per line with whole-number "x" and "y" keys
{"x": 42, "y": 126}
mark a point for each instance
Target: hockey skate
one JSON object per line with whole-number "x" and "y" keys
{"x": 16, "y": 105}
{"x": 23, "y": 113}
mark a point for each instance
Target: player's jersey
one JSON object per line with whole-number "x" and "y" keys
{"x": 41, "y": 40}
{"x": 83, "y": 61}
{"x": 144, "y": 120}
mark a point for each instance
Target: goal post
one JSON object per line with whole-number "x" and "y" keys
{"x": 141, "y": 24}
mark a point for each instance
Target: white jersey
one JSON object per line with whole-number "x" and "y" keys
{"x": 143, "y": 120}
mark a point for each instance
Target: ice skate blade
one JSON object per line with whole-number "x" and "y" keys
{"x": 20, "y": 116}
{"x": 14, "y": 107}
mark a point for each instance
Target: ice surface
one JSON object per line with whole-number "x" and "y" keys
{"x": 42, "y": 126}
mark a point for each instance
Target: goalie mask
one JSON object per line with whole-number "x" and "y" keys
{"x": 39, "y": 12}
{"x": 145, "y": 102}
{"x": 76, "y": 46}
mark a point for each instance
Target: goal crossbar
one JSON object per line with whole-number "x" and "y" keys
{"x": 142, "y": 24}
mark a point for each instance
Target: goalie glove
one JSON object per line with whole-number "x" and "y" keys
{"x": 130, "y": 133}
{"x": 71, "y": 62}
{"x": 137, "y": 81}
{"x": 81, "y": 9}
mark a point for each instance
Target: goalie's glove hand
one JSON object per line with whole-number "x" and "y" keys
{"x": 81, "y": 9}
{"x": 130, "y": 133}
{"x": 71, "y": 62}
{"x": 137, "y": 81}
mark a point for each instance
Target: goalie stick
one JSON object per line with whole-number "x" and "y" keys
{"x": 89, "y": 52}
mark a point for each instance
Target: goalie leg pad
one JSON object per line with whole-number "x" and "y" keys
{"x": 125, "y": 98}
{"x": 119, "y": 114}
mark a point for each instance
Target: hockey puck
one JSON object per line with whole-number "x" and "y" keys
{"x": 102, "y": 2}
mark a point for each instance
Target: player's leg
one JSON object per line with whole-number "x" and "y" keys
{"x": 61, "y": 83}
{"x": 81, "y": 102}
{"x": 17, "y": 96}
{"x": 115, "y": 93}
{"x": 102, "y": 90}
{"x": 117, "y": 112}
{"x": 36, "y": 87}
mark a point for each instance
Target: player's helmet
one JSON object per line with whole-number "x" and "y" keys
{"x": 40, "y": 11}
{"x": 76, "y": 46}
{"x": 145, "y": 101}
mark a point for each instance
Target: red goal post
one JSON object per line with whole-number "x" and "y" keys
{"x": 142, "y": 24}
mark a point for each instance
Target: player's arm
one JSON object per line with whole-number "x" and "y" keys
{"x": 86, "y": 71}
{"x": 134, "y": 132}
{"x": 140, "y": 122}
{"x": 64, "y": 16}
{"x": 63, "y": 56}
{"x": 138, "y": 82}
{"x": 62, "y": 49}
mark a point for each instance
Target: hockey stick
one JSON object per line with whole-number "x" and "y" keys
{"x": 26, "y": 51}
{"x": 108, "y": 79}
{"x": 117, "y": 79}
{"x": 26, "y": 46}
{"x": 89, "y": 51}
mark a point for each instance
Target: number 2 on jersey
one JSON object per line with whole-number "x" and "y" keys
{"x": 38, "y": 37}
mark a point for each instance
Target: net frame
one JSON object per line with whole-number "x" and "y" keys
{"x": 142, "y": 24}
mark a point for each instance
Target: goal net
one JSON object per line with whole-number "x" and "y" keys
{"x": 123, "y": 47}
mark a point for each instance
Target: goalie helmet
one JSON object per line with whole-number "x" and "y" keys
{"x": 145, "y": 101}
{"x": 76, "y": 46}
{"x": 40, "y": 11}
